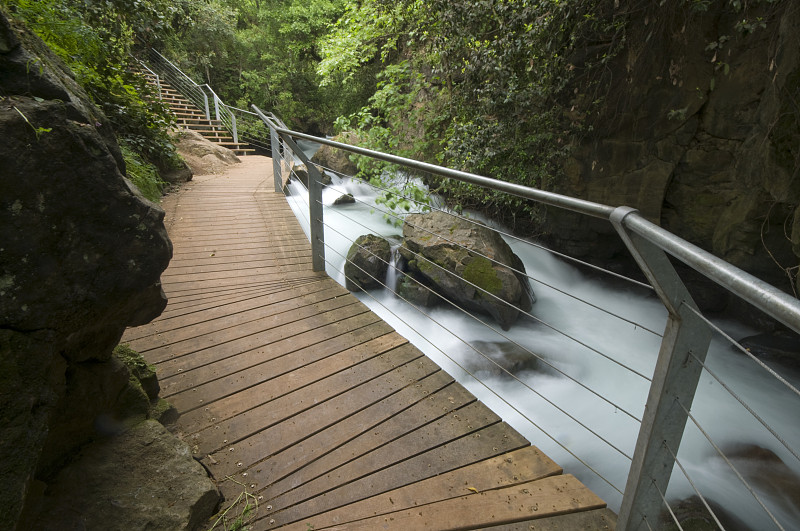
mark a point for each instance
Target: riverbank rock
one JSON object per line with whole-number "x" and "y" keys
{"x": 300, "y": 171}
{"x": 416, "y": 292}
{"x": 81, "y": 254}
{"x": 704, "y": 142}
{"x": 201, "y": 155}
{"x": 344, "y": 199}
{"x": 336, "y": 159}
{"x": 781, "y": 347}
{"x": 467, "y": 263}
{"x": 144, "y": 478}
{"x": 367, "y": 262}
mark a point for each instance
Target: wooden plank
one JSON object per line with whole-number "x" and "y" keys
{"x": 171, "y": 360}
{"x": 200, "y": 268}
{"x": 333, "y": 447}
{"x": 285, "y": 310}
{"x": 180, "y": 287}
{"x": 243, "y": 370}
{"x": 543, "y": 498}
{"x": 396, "y": 441}
{"x": 288, "y": 375}
{"x": 278, "y": 451}
{"x": 596, "y": 520}
{"x": 490, "y": 441}
{"x": 238, "y": 274}
{"x": 200, "y": 302}
{"x": 291, "y": 386}
{"x": 513, "y": 468}
{"x": 252, "y": 417}
{"x": 224, "y": 315}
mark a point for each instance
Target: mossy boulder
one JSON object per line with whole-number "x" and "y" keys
{"x": 468, "y": 263}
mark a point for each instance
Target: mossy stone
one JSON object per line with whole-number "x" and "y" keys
{"x": 479, "y": 271}
{"x": 140, "y": 369}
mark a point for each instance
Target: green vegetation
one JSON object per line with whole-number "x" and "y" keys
{"x": 141, "y": 173}
{"x": 133, "y": 360}
{"x": 240, "y": 513}
{"x": 94, "y": 38}
{"x": 479, "y": 272}
{"x": 482, "y": 86}
{"x": 502, "y": 88}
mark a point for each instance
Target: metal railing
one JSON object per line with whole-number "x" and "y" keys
{"x": 156, "y": 77}
{"x": 683, "y": 346}
{"x": 244, "y": 126}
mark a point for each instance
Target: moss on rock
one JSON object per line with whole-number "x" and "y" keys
{"x": 140, "y": 369}
{"x": 479, "y": 271}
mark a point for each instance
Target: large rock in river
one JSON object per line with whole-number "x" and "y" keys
{"x": 367, "y": 262}
{"x": 81, "y": 254}
{"x": 468, "y": 263}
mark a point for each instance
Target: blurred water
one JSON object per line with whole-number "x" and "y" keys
{"x": 450, "y": 338}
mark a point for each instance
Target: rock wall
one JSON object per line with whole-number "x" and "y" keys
{"x": 81, "y": 253}
{"x": 701, "y": 132}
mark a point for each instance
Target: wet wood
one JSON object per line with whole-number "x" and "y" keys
{"x": 292, "y": 390}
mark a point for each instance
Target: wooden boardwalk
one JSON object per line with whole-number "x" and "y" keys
{"x": 293, "y": 390}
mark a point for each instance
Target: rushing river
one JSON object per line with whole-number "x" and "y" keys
{"x": 450, "y": 338}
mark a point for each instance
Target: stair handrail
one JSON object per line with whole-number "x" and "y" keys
{"x": 143, "y": 65}
{"x": 179, "y": 78}
{"x": 230, "y": 123}
{"x": 244, "y": 126}
{"x": 686, "y": 338}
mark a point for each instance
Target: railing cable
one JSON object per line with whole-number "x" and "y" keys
{"x": 546, "y": 324}
{"x": 696, "y": 490}
{"x": 503, "y": 369}
{"x": 730, "y": 465}
{"x": 747, "y": 407}
{"x": 749, "y": 354}
{"x": 488, "y": 388}
{"x": 525, "y": 273}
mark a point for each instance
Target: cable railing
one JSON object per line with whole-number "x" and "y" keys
{"x": 490, "y": 360}
{"x": 692, "y": 349}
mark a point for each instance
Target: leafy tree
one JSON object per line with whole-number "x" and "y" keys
{"x": 489, "y": 87}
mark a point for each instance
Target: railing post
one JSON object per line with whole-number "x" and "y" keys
{"x": 314, "y": 206}
{"x": 234, "y": 132}
{"x": 216, "y": 107}
{"x": 673, "y": 387}
{"x": 205, "y": 104}
{"x": 276, "y": 159}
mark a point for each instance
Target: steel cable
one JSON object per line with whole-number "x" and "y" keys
{"x": 495, "y": 393}
{"x": 503, "y": 369}
{"x": 485, "y": 324}
{"x": 746, "y": 352}
{"x": 512, "y": 236}
{"x": 524, "y": 273}
{"x": 537, "y": 319}
{"x": 696, "y": 490}
{"x": 730, "y": 465}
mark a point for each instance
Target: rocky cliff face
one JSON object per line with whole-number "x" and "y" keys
{"x": 701, "y": 133}
{"x": 81, "y": 253}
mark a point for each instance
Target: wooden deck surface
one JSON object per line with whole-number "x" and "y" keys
{"x": 292, "y": 390}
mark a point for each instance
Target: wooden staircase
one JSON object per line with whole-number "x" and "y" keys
{"x": 189, "y": 116}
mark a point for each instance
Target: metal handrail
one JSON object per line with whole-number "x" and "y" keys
{"x": 775, "y": 303}
{"x": 244, "y": 126}
{"x": 158, "y": 78}
{"x": 686, "y": 338}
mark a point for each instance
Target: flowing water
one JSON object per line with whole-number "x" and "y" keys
{"x": 452, "y": 339}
